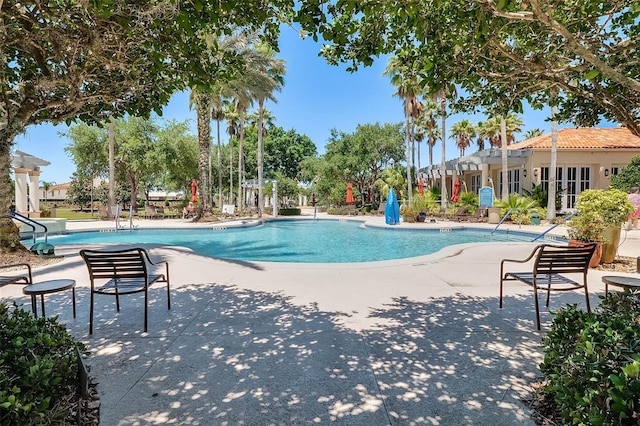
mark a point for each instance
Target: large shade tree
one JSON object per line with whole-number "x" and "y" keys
{"x": 71, "y": 59}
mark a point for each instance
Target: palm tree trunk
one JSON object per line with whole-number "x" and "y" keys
{"x": 112, "y": 167}
{"x": 505, "y": 159}
{"x": 443, "y": 162}
{"x": 230, "y": 171}
{"x": 219, "y": 167}
{"x": 203, "y": 110}
{"x": 407, "y": 132}
{"x": 240, "y": 163}
{"x": 551, "y": 192}
{"x": 260, "y": 157}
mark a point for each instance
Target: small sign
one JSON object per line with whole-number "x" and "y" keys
{"x": 485, "y": 196}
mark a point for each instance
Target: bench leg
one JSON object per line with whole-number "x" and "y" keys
{"x": 535, "y": 295}
{"x": 34, "y": 307}
{"x": 42, "y": 304}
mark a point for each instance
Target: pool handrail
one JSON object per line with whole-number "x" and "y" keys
{"x": 503, "y": 219}
{"x": 29, "y": 222}
{"x": 564, "y": 220}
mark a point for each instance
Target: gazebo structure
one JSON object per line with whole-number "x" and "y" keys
{"x": 27, "y": 193}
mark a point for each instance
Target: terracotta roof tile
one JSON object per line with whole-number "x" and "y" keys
{"x": 584, "y": 138}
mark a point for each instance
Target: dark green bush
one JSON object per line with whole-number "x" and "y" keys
{"x": 38, "y": 368}
{"x": 592, "y": 362}
{"x": 289, "y": 211}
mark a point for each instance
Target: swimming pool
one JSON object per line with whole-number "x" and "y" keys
{"x": 302, "y": 241}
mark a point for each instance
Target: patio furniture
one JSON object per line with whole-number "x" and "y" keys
{"x": 22, "y": 278}
{"x": 48, "y": 287}
{"x": 551, "y": 262}
{"x": 120, "y": 272}
{"x": 151, "y": 212}
{"x": 626, "y": 283}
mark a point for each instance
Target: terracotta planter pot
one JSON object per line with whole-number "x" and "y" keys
{"x": 611, "y": 242}
{"x": 597, "y": 255}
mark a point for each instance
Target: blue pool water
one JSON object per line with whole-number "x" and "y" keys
{"x": 303, "y": 241}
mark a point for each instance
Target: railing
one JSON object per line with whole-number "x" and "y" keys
{"x": 30, "y": 223}
{"x": 503, "y": 219}
{"x": 555, "y": 226}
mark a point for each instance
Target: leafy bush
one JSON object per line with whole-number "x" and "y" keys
{"x": 592, "y": 362}
{"x": 289, "y": 211}
{"x": 38, "y": 369}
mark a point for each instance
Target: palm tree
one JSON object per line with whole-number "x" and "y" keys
{"x": 268, "y": 77}
{"x": 405, "y": 79}
{"x": 442, "y": 95}
{"x": 484, "y": 131}
{"x": 202, "y": 101}
{"x": 532, "y": 133}
{"x": 463, "y": 132}
{"x": 231, "y": 116}
{"x": 218, "y": 104}
{"x": 428, "y": 122}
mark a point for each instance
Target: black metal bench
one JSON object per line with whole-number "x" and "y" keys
{"x": 551, "y": 261}
{"x": 125, "y": 272}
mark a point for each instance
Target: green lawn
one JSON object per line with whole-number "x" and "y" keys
{"x": 76, "y": 214}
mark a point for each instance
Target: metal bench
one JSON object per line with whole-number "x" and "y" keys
{"x": 22, "y": 278}
{"x": 551, "y": 261}
{"x": 120, "y": 272}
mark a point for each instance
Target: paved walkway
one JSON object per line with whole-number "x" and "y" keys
{"x": 416, "y": 341}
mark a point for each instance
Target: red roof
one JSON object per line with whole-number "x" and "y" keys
{"x": 584, "y": 138}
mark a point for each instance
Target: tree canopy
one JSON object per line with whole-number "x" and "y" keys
{"x": 501, "y": 52}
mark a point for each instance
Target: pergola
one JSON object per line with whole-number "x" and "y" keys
{"x": 27, "y": 197}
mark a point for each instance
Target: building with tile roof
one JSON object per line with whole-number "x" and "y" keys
{"x": 586, "y": 159}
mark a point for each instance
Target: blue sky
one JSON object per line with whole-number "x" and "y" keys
{"x": 315, "y": 99}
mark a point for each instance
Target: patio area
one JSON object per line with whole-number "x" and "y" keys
{"x": 415, "y": 341}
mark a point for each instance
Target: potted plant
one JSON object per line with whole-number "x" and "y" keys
{"x": 600, "y": 216}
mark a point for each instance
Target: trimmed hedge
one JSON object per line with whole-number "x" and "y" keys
{"x": 592, "y": 362}
{"x": 289, "y": 211}
{"x": 38, "y": 368}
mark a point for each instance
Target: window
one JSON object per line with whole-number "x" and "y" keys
{"x": 571, "y": 181}
{"x": 476, "y": 184}
{"x": 513, "y": 175}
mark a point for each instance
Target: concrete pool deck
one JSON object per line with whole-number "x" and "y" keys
{"x": 413, "y": 341}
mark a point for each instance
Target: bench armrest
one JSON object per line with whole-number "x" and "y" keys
{"x": 18, "y": 265}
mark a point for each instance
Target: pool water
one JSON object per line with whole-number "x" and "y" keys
{"x": 303, "y": 241}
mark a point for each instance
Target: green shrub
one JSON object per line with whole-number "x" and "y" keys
{"x": 289, "y": 211}
{"x": 592, "y": 362}
{"x": 38, "y": 368}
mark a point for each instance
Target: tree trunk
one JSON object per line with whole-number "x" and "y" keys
{"x": 112, "y": 167}
{"x": 443, "y": 162}
{"x": 219, "y": 167}
{"x": 9, "y": 233}
{"x": 407, "y": 133}
{"x": 204, "y": 147}
{"x": 551, "y": 192}
{"x": 505, "y": 159}
{"x": 240, "y": 162}
{"x": 260, "y": 157}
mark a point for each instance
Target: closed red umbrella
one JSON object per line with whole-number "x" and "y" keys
{"x": 194, "y": 191}
{"x": 456, "y": 191}
{"x": 420, "y": 187}
{"x": 350, "y": 199}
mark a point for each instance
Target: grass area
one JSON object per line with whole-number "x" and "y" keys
{"x": 72, "y": 214}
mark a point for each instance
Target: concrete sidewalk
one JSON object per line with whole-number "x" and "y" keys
{"x": 414, "y": 341}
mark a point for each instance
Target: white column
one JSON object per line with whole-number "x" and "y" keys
{"x": 34, "y": 193}
{"x": 21, "y": 189}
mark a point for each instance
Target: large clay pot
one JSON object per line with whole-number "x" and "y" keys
{"x": 611, "y": 242}
{"x": 595, "y": 258}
